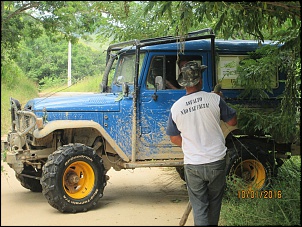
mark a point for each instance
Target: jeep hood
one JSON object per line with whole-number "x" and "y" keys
{"x": 75, "y": 103}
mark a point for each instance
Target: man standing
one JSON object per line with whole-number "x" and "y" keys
{"x": 194, "y": 124}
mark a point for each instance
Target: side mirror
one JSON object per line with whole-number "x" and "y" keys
{"x": 158, "y": 86}
{"x": 159, "y": 83}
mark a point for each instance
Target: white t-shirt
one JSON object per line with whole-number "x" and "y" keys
{"x": 196, "y": 117}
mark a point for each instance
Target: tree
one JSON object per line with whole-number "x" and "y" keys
{"x": 41, "y": 60}
{"x": 234, "y": 19}
{"x": 125, "y": 20}
{"x": 59, "y": 19}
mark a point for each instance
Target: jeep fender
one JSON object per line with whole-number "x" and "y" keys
{"x": 68, "y": 124}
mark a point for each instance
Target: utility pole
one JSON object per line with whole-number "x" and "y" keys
{"x": 69, "y": 64}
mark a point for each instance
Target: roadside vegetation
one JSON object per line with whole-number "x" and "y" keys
{"x": 14, "y": 84}
{"x": 87, "y": 84}
{"x": 21, "y": 88}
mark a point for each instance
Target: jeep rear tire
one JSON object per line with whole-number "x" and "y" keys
{"x": 73, "y": 178}
{"x": 250, "y": 166}
{"x": 30, "y": 182}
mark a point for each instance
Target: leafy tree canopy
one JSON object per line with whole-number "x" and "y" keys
{"x": 123, "y": 20}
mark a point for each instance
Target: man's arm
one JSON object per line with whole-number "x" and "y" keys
{"x": 170, "y": 85}
{"x": 227, "y": 113}
{"x": 173, "y": 132}
{"x": 177, "y": 140}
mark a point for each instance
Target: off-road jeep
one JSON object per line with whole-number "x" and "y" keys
{"x": 65, "y": 145}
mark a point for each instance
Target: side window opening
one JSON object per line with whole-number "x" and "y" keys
{"x": 163, "y": 66}
{"x": 168, "y": 68}
{"x": 171, "y": 75}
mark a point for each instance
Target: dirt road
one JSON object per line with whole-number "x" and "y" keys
{"x": 140, "y": 197}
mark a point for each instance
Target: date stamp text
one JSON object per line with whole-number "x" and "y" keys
{"x": 265, "y": 194}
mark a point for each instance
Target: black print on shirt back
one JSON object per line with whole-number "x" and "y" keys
{"x": 193, "y": 101}
{"x": 192, "y": 107}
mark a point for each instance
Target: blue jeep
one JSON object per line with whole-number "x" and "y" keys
{"x": 65, "y": 145}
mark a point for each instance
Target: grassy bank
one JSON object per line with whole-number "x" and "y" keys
{"x": 281, "y": 206}
{"x": 14, "y": 84}
{"x": 87, "y": 84}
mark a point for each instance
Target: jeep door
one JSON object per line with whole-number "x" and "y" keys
{"x": 155, "y": 102}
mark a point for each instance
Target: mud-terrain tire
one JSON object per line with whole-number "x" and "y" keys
{"x": 247, "y": 161}
{"x": 73, "y": 178}
{"x": 30, "y": 183}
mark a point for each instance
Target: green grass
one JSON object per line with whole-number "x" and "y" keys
{"x": 87, "y": 84}
{"x": 284, "y": 211}
{"x": 20, "y": 88}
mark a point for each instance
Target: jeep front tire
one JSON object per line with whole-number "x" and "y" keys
{"x": 73, "y": 178}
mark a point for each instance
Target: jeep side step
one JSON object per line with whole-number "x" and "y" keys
{"x": 152, "y": 163}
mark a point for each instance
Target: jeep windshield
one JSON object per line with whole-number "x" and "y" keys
{"x": 125, "y": 69}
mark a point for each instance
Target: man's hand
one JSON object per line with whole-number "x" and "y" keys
{"x": 177, "y": 140}
{"x": 217, "y": 90}
{"x": 233, "y": 121}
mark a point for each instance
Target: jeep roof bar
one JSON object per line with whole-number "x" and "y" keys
{"x": 161, "y": 40}
{"x": 158, "y": 40}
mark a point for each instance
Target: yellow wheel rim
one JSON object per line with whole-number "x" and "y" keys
{"x": 252, "y": 172}
{"x": 78, "y": 180}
